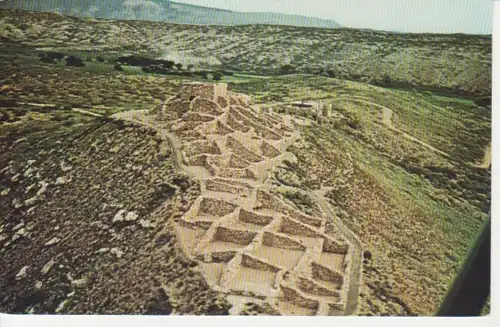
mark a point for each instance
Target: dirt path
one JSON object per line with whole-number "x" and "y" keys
{"x": 248, "y": 242}
{"x": 387, "y": 121}
{"x": 387, "y": 117}
{"x": 356, "y": 276}
{"x": 86, "y": 112}
{"x": 79, "y": 110}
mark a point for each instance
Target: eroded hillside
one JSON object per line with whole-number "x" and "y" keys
{"x": 86, "y": 225}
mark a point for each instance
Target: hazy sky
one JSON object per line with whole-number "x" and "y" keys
{"x": 437, "y": 16}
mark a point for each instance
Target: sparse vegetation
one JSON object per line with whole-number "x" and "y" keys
{"x": 364, "y": 56}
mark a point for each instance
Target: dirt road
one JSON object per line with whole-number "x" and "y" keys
{"x": 387, "y": 121}
{"x": 355, "y": 276}
{"x": 86, "y": 112}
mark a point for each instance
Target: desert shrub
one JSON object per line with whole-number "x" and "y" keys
{"x": 20, "y": 112}
{"x": 218, "y": 310}
{"x": 386, "y": 80}
{"x": 354, "y": 121}
{"x": 367, "y": 255}
{"x": 181, "y": 181}
{"x": 4, "y": 117}
{"x": 7, "y": 103}
{"x": 59, "y": 118}
{"x": 54, "y": 55}
{"x": 47, "y": 60}
{"x": 217, "y": 76}
{"x": 287, "y": 69}
{"x": 167, "y": 63}
{"x": 299, "y": 198}
{"x": 202, "y": 74}
{"x": 159, "y": 304}
{"x": 74, "y": 61}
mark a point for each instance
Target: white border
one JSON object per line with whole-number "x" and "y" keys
{"x": 73, "y": 321}
{"x": 192, "y": 321}
{"x": 495, "y": 176}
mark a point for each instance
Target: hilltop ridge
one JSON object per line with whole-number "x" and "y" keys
{"x": 449, "y": 64}
{"x": 165, "y": 11}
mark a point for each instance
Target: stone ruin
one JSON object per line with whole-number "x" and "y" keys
{"x": 249, "y": 243}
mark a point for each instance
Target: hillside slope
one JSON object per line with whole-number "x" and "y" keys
{"x": 457, "y": 64}
{"x": 166, "y": 11}
{"x": 414, "y": 210}
{"x": 66, "y": 179}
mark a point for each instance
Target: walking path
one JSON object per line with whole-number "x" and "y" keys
{"x": 387, "y": 121}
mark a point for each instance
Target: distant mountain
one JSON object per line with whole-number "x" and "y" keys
{"x": 163, "y": 10}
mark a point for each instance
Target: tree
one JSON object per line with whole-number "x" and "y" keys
{"x": 54, "y": 55}
{"x": 47, "y": 60}
{"x": 168, "y": 64}
{"x": 287, "y": 69}
{"x": 74, "y": 61}
{"x": 387, "y": 80}
{"x": 217, "y": 76}
{"x": 483, "y": 102}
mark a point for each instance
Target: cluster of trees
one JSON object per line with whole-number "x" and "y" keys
{"x": 168, "y": 67}
{"x": 290, "y": 69}
{"x": 147, "y": 65}
{"x": 483, "y": 102}
{"x": 140, "y": 61}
